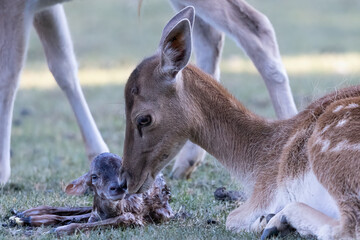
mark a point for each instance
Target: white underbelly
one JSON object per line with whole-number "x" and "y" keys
{"x": 307, "y": 190}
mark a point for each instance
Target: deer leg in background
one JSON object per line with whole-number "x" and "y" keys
{"x": 13, "y": 45}
{"x": 252, "y": 31}
{"x": 208, "y": 45}
{"x": 53, "y": 31}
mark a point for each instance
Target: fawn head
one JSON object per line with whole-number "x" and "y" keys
{"x": 103, "y": 178}
{"x": 155, "y": 118}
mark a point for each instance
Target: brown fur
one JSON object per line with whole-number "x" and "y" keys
{"x": 284, "y": 165}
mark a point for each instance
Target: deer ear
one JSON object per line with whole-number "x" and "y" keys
{"x": 186, "y": 13}
{"x": 78, "y": 186}
{"x": 175, "y": 44}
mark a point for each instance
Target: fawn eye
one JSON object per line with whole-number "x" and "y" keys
{"x": 94, "y": 177}
{"x": 143, "y": 121}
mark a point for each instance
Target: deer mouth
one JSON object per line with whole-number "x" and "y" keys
{"x": 116, "y": 197}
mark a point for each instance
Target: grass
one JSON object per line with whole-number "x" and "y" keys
{"x": 319, "y": 44}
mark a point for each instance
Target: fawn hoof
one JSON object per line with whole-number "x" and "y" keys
{"x": 17, "y": 221}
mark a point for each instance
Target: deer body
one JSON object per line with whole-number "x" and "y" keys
{"x": 303, "y": 169}
{"x": 276, "y": 161}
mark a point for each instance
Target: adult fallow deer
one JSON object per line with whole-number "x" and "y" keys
{"x": 304, "y": 169}
{"x": 248, "y": 27}
{"x": 48, "y": 18}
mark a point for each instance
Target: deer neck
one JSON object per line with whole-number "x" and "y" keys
{"x": 243, "y": 142}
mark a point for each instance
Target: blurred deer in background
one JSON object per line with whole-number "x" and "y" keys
{"x": 111, "y": 206}
{"x": 302, "y": 172}
{"x": 249, "y": 28}
{"x": 48, "y": 18}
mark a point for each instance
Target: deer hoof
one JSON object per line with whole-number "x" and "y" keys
{"x": 269, "y": 232}
{"x": 4, "y": 174}
{"x": 269, "y": 217}
{"x": 16, "y": 220}
{"x": 277, "y": 225}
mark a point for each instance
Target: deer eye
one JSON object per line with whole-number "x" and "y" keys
{"x": 143, "y": 121}
{"x": 94, "y": 177}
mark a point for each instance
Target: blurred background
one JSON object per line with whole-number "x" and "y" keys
{"x": 319, "y": 42}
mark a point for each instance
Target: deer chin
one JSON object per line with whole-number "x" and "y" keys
{"x": 116, "y": 197}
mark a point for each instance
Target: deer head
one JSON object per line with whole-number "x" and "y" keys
{"x": 156, "y": 126}
{"x": 103, "y": 178}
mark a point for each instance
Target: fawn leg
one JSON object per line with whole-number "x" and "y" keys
{"x": 53, "y": 31}
{"x": 49, "y": 219}
{"x": 125, "y": 220}
{"x": 46, "y": 215}
{"x": 48, "y": 210}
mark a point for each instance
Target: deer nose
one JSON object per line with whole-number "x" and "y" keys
{"x": 116, "y": 189}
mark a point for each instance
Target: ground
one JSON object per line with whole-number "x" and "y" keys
{"x": 319, "y": 45}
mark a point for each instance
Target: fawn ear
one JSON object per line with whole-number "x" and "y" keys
{"x": 175, "y": 43}
{"x": 78, "y": 186}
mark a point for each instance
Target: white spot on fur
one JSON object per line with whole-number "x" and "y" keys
{"x": 338, "y": 108}
{"x": 341, "y": 122}
{"x": 352, "y": 105}
{"x": 346, "y": 146}
{"x": 325, "y": 129}
{"x": 324, "y": 144}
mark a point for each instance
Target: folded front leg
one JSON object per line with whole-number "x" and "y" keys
{"x": 125, "y": 220}
{"x": 247, "y": 217}
{"x": 305, "y": 219}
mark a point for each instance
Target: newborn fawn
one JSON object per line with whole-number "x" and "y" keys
{"x": 112, "y": 207}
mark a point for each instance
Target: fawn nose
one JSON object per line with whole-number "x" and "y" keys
{"x": 116, "y": 189}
